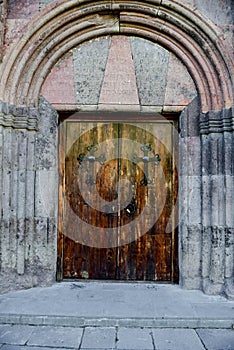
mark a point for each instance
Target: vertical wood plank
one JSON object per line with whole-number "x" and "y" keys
{"x": 59, "y": 270}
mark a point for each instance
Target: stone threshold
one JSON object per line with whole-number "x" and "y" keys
{"x": 75, "y": 321}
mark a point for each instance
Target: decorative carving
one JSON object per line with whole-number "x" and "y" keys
{"x": 217, "y": 122}
{"x": 146, "y": 159}
{"x": 91, "y": 158}
{"x": 18, "y": 118}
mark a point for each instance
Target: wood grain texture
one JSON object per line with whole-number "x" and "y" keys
{"x": 142, "y": 249}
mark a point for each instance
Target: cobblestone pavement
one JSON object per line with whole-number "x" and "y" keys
{"x": 18, "y": 337}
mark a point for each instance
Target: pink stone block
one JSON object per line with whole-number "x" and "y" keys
{"x": 119, "y": 85}
{"x": 59, "y": 86}
{"x": 22, "y": 9}
{"x": 14, "y": 29}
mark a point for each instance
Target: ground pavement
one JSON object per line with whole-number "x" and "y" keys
{"x": 97, "y": 315}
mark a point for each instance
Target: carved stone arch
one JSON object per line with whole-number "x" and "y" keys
{"x": 63, "y": 26}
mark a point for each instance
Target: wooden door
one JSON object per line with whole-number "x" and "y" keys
{"x": 118, "y": 187}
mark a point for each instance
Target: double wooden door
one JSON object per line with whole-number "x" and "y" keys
{"x": 118, "y": 189}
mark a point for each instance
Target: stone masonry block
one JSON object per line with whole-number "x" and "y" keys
{"x": 3, "y": 15}
{"x": 22, "y": 9}
{"x": 98, "y": 338}
{"x": 89, "y": 66}
{"x": 18, "y": 335}
{"x": 180, "y": 88}
{"x": 219, "y": 11}
{"x": 176, "y": 339}
{"x": 189, "y": 120}
{"x": 119, "y": 85}
{"x": 59, "y": 87}
{"x": 133, "y": 338}
{"x": 151, "y": 64}
{"x": 217, "y": 339}
{"x": 56, "y": 337}
{"x": 46, "y": 193}
{"x": 43, "y": 3}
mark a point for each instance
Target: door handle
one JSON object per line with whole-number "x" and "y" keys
{"x": 130, "y": 209}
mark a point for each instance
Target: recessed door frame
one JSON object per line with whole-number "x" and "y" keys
{"x": 118, "y": 118}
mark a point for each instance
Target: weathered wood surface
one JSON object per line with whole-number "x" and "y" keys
{"x": 141, "y": 249}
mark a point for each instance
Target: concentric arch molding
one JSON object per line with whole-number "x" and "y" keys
{"x": 66, "y": 24}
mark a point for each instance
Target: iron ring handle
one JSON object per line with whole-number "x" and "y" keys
{"x": 130, "y": 209}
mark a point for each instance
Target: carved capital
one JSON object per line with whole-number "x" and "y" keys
{"x": 217, "y": 122}
{"x": 18, "y": 117}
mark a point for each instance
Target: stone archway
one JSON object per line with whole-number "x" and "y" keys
{"x": 196, "y": 43}
{"x": 167, "y": 23}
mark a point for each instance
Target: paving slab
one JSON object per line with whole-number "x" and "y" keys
{"x": 15, "y": 347}
{"x": 134, "y": 338}
{"x": 99, "y": 338}
{"x": 58, "y": 337}
{"x": 176, "y": 339}
{"x": 18, "y": 335}
{"x": 124, "y": 339}
{"x": 217, "y": 339}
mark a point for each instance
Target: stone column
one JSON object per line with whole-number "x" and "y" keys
{"x": 217, "y": 129}
{"x": 28, "y": 171}
{"x": 207, "y": 200}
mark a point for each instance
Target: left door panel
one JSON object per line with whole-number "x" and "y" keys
{"x": 84, "y": 191}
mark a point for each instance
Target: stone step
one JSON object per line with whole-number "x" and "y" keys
{"x": 75, "y": 321}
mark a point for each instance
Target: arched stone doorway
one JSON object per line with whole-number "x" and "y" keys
{"x": 206, "y": 239}
{"x": 120, "y": 78}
